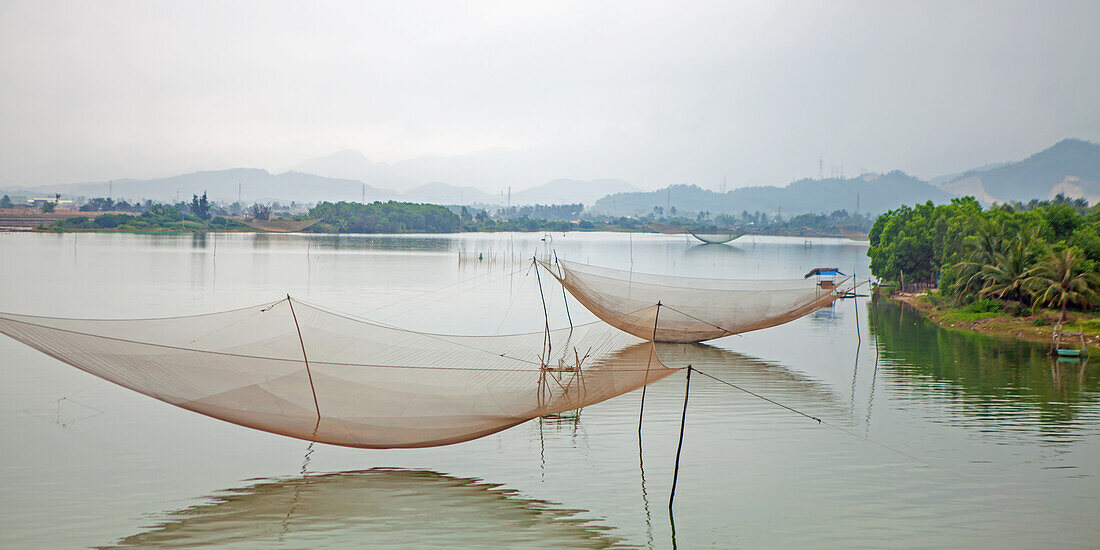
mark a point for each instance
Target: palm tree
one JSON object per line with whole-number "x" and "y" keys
{"x": 1005, "y": 277}
{"x": 1060, "y": 281}
{"x": 982, "y": 250}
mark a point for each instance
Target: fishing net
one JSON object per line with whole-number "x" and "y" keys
{"x": 665, "y": 229}
{"x": 691, "y": 309}
{"x": 297, "y": 370}
{"x": 715, "y": 238}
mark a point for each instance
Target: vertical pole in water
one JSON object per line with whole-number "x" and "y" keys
{"x": 306, "y": 359}
{"x": 855, "y": 301}
{"x": 548, "y": 345}
{"x": 680, "y": 445}
{"x": 645, "y": 381}
{"x": 564, "y": 298}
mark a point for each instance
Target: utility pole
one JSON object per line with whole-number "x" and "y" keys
{"x": 238, "y": 191}
{"x": 364, "y": 199}
{"x": 110, "y": 188}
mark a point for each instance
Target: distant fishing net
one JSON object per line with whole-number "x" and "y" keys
{"x": 692, "y": 309}
{"x": 715, "y": 238}
{"x": 297, "y": 370}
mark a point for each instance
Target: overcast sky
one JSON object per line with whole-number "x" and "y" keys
{"x": 655, "y": 94}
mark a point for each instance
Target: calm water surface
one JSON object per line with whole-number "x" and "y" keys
{"x": 89, "y": 464}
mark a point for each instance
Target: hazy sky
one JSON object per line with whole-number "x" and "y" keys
{"x": 655, "y": 93}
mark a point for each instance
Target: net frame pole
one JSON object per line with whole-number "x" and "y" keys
{"x": 680, "y": 444}
{"x": 564, "y": 298}
{"x": 645, "y": 380}
{"x": 305, "y": 358}
{"x": 855, "y": 303}
{"x": 549, "y": 345}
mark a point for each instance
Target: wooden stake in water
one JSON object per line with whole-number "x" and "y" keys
{"x": 645, "y": 381}
{"x": 680, "y": 445}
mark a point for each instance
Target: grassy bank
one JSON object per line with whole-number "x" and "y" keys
{"x": 987, "y": 318}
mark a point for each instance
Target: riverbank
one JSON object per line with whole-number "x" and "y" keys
{"x": 1033, "y": 328}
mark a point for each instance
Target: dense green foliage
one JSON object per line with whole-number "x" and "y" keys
{"x": 1041, "y": 254}
{"x": 404, "y": 217}
{"x": 158, "y": 217}
{"x": 200, "y": 207}
{"x": 384, "y": 217}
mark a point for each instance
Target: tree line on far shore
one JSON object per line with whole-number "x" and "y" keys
{"x": 1040, "y": 254}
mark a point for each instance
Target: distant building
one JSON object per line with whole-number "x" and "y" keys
{"x": 39, "y": 201}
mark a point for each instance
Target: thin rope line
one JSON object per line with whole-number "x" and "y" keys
{"x": 98, "y": 319}
{"x": 511, "y": 303}
{"x": 65, "y": 397}
{"x": 772, "y": 401}
{"x": 328, "y": 363}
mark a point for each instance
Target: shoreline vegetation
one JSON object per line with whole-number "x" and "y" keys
{"x": 1036, "y": 328}
{"x": 1014, "y": 270}
{"x": 103, "y": 215}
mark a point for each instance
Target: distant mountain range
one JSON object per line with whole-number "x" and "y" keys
{"x": 250, "y": 184}
{"x": 256, "y": 185}
{"x": 491, "y": 169}
{"x": 869, "y": 193}
{"x": 1071, "y": 167}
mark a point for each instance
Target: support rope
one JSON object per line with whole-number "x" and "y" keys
{"x": 773, "y": 402}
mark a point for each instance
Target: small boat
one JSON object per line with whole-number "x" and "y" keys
{"x": 1056, "y": 342}
{"x": 824, "y": 272}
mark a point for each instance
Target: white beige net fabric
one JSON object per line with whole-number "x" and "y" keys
{"x": 345, "y": 381}
{"x": 692, "y": 309}
{"x": 715, "y": 238}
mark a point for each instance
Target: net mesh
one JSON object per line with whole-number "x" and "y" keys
{"x": 715, "y": 238}
{"x": 691, "y": 309}
{"x": 297, "y": 370}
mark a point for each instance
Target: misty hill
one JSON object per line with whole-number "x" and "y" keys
{"x": 222, "y": 185}
{"x": 441, "y": 193}
{"x": 258, "y": 185}
{"x": 876, "y": 194}
{"x": 494, "y": 170}
{"x": 567, "y": 191}
{"x": 1071, "y": 167}
{"x": 352, "y": 165}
